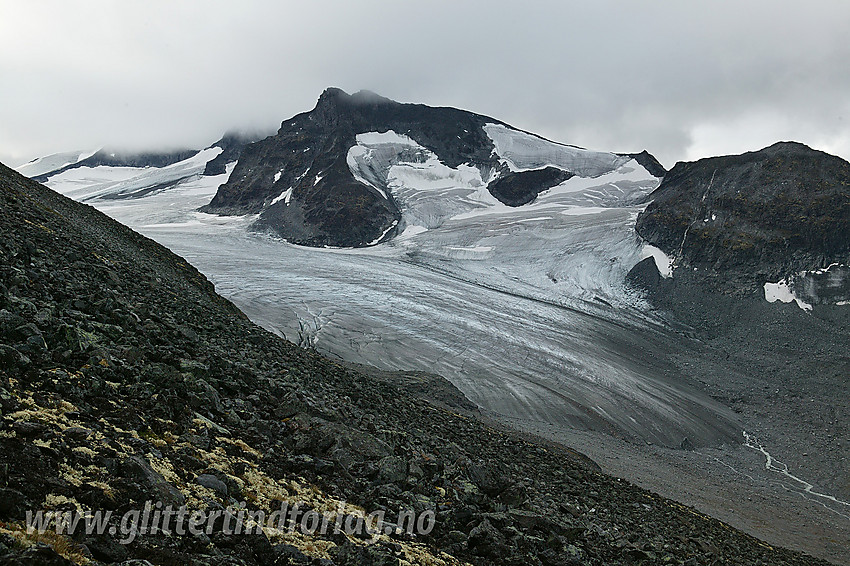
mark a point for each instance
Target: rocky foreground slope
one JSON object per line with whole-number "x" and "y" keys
{"x": 126, "y": 379}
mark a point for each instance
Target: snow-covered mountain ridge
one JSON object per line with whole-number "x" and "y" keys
{"x": 356, "y": 169}
{"x": 359, "y": 169}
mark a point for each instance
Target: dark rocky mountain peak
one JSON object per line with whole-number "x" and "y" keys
{"x": 742, "y": 220}
{"x": 336, "y": 96}
{"x": 305, "y": 190}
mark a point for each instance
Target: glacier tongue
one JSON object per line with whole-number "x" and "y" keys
{"x": 426, "y": 190}
{"x": 495, "y": 306}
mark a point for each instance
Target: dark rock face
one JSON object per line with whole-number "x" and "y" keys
{"x": 328, "y": 206}
{"x": 745, "y": 219}
{"x": 517, "y": 189}
{"x": 331, "y": 208}
{"x": 232, "y": 144}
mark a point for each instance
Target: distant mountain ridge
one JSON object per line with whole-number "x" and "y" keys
{"x": 43, "y": 168}
{"x": 329, "y": 176}
{"x": 115, "y": 159}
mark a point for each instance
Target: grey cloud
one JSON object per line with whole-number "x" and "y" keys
{"x": 680, "y": 79}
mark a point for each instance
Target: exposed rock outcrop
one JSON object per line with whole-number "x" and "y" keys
{"x": 742, "y": 220}
{"x": 649, "y": 162}
{"x": 232, "y": 144}
{"x": 517, "y": 189}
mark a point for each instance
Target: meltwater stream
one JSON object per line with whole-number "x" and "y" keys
{"x": 771, "y": 464}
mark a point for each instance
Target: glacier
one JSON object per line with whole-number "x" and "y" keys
{"x": 523, "y": 309}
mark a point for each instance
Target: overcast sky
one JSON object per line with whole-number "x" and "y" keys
{"x": 683, "y": 79}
